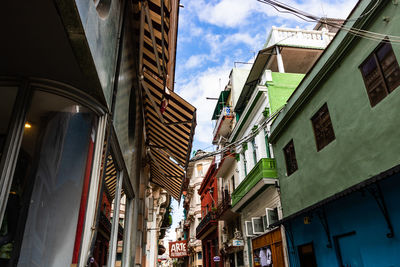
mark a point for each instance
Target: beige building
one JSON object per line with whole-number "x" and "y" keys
{"x": 192, "y": 205}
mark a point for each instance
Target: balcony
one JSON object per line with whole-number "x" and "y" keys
{"x": 299, "y": 37}
{"x": 223, "y": 210}
{"x": 263, "y": 174}
{"x": 223, "y": 125}
{"x": 207, "y": 225}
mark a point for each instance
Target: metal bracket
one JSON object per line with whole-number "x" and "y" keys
{"x": 376, "y": 191}
{"x": 324, "y": 222}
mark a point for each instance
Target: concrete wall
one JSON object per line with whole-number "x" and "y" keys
{"x": 360, "y": 130}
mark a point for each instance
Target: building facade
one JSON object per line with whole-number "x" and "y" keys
{"x": 276, "y": 72}
{"x": 81, "y": 85}
{"x": 207, "y": 229}
{"x": 336, "y": 149}
{"x": 192, "y": 204}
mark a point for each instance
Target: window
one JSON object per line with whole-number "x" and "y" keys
{"x": 254, "y": 147}
{"x": 199, "y": 168}
{"x": 267, "y": 144}
{"x": 381, "y": 73}
{"x": 199, "y": 256}
{"x": 323, "y": 129}
{"x": 244, "y": 164}
{"x": 290, "y": 158}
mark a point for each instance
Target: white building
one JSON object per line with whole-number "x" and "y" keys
{"x": 192, "y": 204}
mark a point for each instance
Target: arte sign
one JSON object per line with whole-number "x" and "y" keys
{"x": 178, "y": 249}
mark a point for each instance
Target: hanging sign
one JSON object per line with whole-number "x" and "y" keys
{"x": 178, "y": 249}
{"x": 237, "y": 243}
{"x": 216, "y": 259}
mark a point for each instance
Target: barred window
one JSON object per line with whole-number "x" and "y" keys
{"x": 290, "y": 158}
{"x": 381, "y": 73}
{"x": 323, "y": 128}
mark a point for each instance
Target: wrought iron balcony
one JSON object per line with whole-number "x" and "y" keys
{"x": 209, "y": 219}
{"x": 225, "y": 203}
{"x": 265, "y": 168}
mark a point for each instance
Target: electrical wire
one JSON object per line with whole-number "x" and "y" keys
{"x": 233, "y": 146}
{"x": 312, "y": 18}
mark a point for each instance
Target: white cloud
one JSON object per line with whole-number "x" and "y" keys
{"x": 206, "y": 84}
{"x": 234, "y": 13}
{"x": 195, "y": 61}
{"x": 229, "y": 13}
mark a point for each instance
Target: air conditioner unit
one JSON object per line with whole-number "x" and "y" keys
{"x": 257, "y": 223}
{"x": 249, "y": 228}
{"x": 271, "y": 216}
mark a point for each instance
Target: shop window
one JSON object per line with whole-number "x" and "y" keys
{"x": 381, "y": 73}
{"x": 51, "y": 174}
{"x": 290, "y": 158}
{"x": 307, "y": 255}
{"x": 323, "y": 129}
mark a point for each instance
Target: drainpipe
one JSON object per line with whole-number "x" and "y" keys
{"x": 281, "y": 69}
{"x": 249, "y": 252}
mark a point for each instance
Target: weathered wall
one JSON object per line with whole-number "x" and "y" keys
{"x": 360, "y": 130}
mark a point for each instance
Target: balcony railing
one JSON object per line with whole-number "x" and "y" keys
{"x": 211, "y": 216}
{"x": 225, "y": 203}
{"x": 300, "y": 37}
{"x": 265, "y": 168}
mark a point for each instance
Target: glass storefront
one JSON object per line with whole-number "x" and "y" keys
{"x": 43, "y": 203}
{"x": 51, "y": 175}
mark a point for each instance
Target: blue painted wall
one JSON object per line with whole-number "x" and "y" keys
{"x": 356, "y": 212}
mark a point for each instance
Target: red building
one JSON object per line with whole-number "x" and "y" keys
{"x": 207, "y": 230}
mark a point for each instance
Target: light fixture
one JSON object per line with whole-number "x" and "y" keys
{"x": 28, "y": 125}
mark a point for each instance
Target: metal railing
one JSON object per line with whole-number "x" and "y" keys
{"x": 225, "y": 203}
{"x": 211, "y": 216}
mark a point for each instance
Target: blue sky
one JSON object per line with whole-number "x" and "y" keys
{"x": 214, "y": 34}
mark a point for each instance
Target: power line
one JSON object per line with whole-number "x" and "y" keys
{"x": 234, "y": 145}
{"x": 312, "y": 18}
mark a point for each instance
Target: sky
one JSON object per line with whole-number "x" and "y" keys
{"x": 213, "y": 35}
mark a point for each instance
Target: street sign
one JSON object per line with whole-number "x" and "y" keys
{"x": 216, "y": 259}
{"x": 178, "y": 249}
{"x": 237, "y": 243}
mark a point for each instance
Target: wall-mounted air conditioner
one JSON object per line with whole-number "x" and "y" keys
{"x": 257, "y": 223}
{"x": 249, "y": 228}
{"x": 271, "y": 216}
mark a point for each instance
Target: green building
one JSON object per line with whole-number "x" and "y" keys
{"x": 337, "y": 149}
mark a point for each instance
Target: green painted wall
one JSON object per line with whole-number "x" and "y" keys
{"x": 367, "y": 139}
{"x": 281, "y": 87}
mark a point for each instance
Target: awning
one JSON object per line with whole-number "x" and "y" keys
{"x": 220, "y": 105}
{"x": 169, "y": 119}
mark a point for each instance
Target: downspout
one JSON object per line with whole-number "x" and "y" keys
{"x": 110, "y": 128}
{"x": 249, "y": 252}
